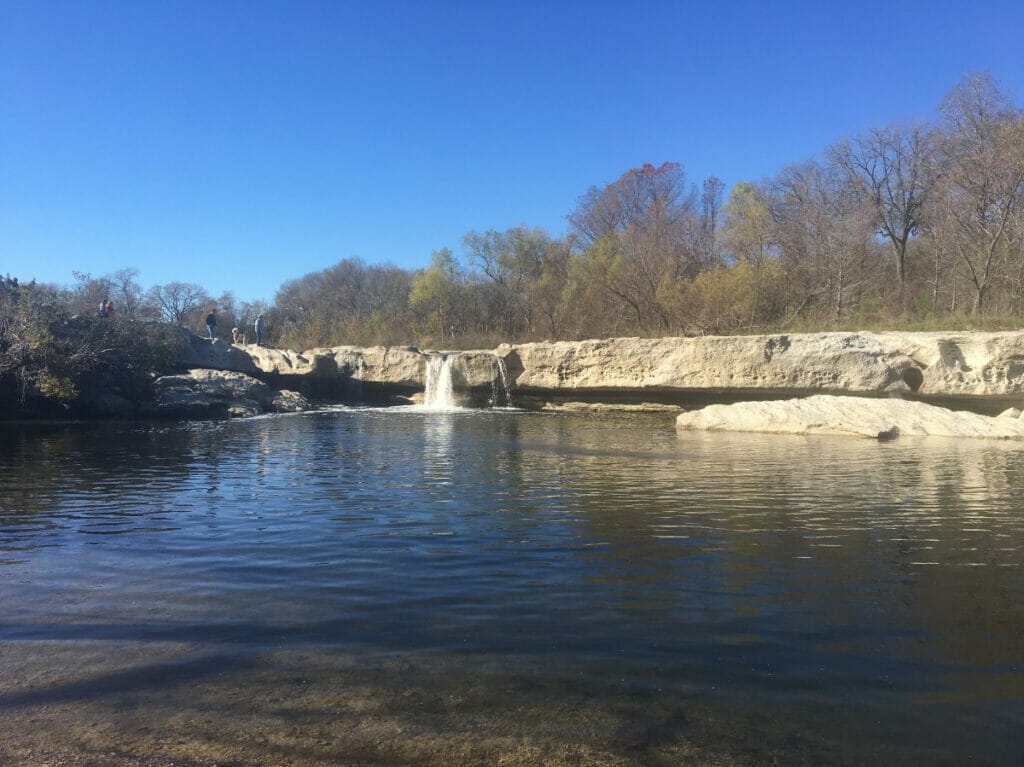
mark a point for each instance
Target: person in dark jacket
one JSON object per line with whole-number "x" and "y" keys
{"x": 211, "y": 323}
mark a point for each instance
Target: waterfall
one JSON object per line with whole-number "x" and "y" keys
{"x": 355, "y": 382}
{"x": 506, "y": 389}
{"x": 439, "y": 394}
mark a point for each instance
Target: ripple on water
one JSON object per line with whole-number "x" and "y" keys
{"x": 742, "y": 576}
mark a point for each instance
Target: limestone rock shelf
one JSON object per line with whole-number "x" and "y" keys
{"x": 851, "y": 416}
{"x": 982, "y": 371}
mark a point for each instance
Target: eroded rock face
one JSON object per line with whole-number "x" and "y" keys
{"x": 928, "y": 364}
{"x": 203, "y": 393}
{"x": 962, "y": 364}
{"x": 397, "y": 365}
{"x": 834, "y": 362}
{"x": 852, "y": 416}
{"x": 216, "y": 355}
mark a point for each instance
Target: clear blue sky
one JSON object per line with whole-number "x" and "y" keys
{"x": 242, "y": 144}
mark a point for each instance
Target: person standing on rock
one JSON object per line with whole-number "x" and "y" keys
{"x": 259, "y": 329}
{"x": 211, "y": 323}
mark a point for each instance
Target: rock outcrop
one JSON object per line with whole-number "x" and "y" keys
{"x": 985, "y": 367}
{"x": 203, "y": 393}
{"x": 961, "y": 364}
{"x": 833, "y": 362}
{"x": 854, "y": 416}
{"x": 215, "y": 355}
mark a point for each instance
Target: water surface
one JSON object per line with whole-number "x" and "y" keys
{"x": 483, "y": 587}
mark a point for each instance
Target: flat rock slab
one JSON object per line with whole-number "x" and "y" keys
{"x": 852, "y": 416}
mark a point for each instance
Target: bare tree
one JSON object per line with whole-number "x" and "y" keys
{"x": 895, "y": 169}
{"x": 978, "y": 211}
{"x": 711, "y": 201}
{"x": 824, "y": 230}
{"x": 642, "y": 197}
{"x": 87, "y": 293}
{"x": 125, "y": 291}
{"x": 177, "y": 300}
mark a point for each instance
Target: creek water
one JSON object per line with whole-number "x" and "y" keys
{"x": 406, "y": 586}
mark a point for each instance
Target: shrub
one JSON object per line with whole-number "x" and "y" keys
{"x": 51, "y": 360}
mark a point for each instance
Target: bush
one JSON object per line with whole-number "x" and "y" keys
{"x": 52, "y": 361}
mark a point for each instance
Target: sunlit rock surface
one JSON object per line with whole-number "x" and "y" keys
{"x": 931, "y": 365}
{"x": 835, "y": 362}
{"x": 854, "y": 416}
{"x": 201, "y": 352}
{"x": 201, "y": 393}
{"x": 954, "y": 364}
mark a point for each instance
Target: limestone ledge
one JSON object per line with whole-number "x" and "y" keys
{"x": 928, "y": 365}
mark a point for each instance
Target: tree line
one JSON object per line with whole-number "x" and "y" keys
{"x": 909, "y": 225}
{"x": 915, "y": 225}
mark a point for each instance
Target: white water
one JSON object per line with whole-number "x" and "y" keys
{"x": 355, "y": 383}
{"x": 506, "y": 389}
{"x": 439, "y": 394}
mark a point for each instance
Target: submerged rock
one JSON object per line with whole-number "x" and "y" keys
{"x": 854, "y": 416}
{"x": 610, "y": 407}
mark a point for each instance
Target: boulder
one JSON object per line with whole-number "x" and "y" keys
{"x": 289, "y": 402}
{"x": 203, "y": 393}
{"x": 854, "y": 416}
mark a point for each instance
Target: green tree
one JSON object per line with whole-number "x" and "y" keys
{"x": 748, "y": 224}
{"x": 435, "y": 293}
{"x": 507, "y": 264}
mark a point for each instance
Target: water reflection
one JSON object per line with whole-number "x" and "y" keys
{"x": 438, "y": 430}
{"x": 827, "y": 583}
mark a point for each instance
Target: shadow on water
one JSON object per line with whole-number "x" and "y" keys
{"x": 147, "y": 678}
{"x": 453, "y": 588}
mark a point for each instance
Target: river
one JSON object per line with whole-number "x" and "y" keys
{"x": 399, "y": 587}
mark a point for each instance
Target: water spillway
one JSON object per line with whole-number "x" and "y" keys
{"x": 502, "y": 379}
{"x": 439, "y": 394}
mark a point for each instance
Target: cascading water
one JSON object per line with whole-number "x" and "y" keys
{"x": 506, "y": 389}
{"x": 439, "y": 394}
{"x": 355, "y": 382}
